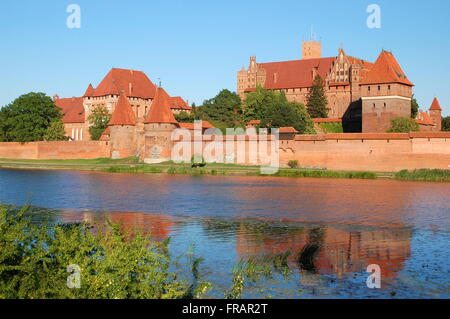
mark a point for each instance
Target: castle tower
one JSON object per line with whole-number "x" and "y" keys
{"x": 158, "y": 129}
{"x": 386, "y": 94}
{"x": 311, "y": 49}
{"x": 123, "y": 129}
{"x": 436, "y": 114}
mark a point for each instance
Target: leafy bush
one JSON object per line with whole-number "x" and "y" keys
{"x": 293, "y": 163}
{"x": 113, "y": 263}
{"x": 403, "y": 125}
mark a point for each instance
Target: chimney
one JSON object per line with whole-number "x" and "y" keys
{"x": 130, "y": 88}
{"x": 275, "y": 77}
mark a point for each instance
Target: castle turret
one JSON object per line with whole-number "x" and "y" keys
{"x": 436, "y": 114}
{"x": 123, "y": 129}
{"x": 158, "y": 127}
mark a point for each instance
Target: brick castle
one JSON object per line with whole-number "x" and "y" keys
{"x": 365, "y": 96}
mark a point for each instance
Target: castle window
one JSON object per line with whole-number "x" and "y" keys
{"x": 389, "y": 87}
{"x": 379, "y": 88}
{"x": 368, "y": 88}
{"x": 374, "y": 105}
{"x": 384, "y": 105}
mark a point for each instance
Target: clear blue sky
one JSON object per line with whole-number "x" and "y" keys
{"x": 196, "y": 47}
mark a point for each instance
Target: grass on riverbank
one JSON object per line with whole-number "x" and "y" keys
{"x": 128, "y": 160}
{"x": 424, "y": 175}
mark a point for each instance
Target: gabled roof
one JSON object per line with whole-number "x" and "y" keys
{"x": 133, "y": 83}
{"x": 89, "y": 91}
{"x": 177, "y": 102}
{"x": 435, "y": 106}
{"x": 160, "y": 111}
{"x": 423, "y": 118}
{"x": 386, "y": 70}
{"x": 123, "y": 113}
{"x": 296, "y": 73}
{"x": 72, "y": 109}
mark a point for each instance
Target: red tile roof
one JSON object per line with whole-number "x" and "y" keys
{"x": 133, "y": 83}
{"x": 386, "y": 70}
{"x": 254, "y": 122}
{"x": 177, "y": 102}
{"x": 123, "y": 113}
{"x": 424, "y": 119}
{"x": 327, "y": 120}
{"x": 89, "y": 91}
{"x": 295, "y": 74}
{"x": 288, "y": 129}
{"x": 160, "y": 111}
{"x": 72, "y": 109}
{"x": 190, "y": 126}
{"x": 435, "y": 106}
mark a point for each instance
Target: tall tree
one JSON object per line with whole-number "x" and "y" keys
{"x": 259, "y": 102}
{"x": 317, "y": 101}
{"x": 28, "y": 117}
{"x": 414, "y": 107}
{"x": 99, "y": 119}
{"x": 225, "y": 108}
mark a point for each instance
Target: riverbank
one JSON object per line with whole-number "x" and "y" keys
{"x": 132, "y": 165}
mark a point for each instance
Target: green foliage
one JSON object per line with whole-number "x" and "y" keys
{"x": 224, "y": 108}
{"x": 99, "y": 119}
{"x": 425, "y": 175}
{"x": 332, "y": 127}
{"x": 114, "y": 263}
{"x": 293, "y": 163}
{"x": 28, "y": 118}
{"x": 274, "y": 111}
{"x": 55, "y": 132}
{"x": 184, "y": 117}
{"x": 414, "y": 107}
{"x": 317, "y": 100}
{"x": 446, "y": 123}
{"x": 403, "y": 125}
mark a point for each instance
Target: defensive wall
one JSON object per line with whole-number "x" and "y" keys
{"x": 55, "y": 150}
{"x": 363, "y": 152}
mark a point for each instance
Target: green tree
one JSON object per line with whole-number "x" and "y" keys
{"x": 184, "y": 117}
{"x": 414, "y": 107}
{"x": 28, "y": 117}
{"x": 225, "y": 108}
{"x": 55, "y": 132}
{"x": 403, "y": 125}
{"x": 274, "y": 111}
{"x": 99, "y": 119}
{"x": 316, "y": 100}
{"x": 446, "y": 123}
{"x": 258, "y": 103}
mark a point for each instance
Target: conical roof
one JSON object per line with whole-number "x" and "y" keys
{"x": 160, "y": 111}
{"x": 123, "y": 113}
{"x": 435, "y": 106}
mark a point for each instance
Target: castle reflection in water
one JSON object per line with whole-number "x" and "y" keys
{"x": 327, "y": 249}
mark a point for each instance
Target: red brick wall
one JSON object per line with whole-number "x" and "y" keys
{"x": 55, "y": 150}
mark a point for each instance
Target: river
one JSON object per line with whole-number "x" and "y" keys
{"x": 404, "y": 227}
